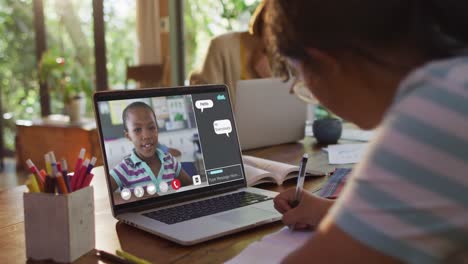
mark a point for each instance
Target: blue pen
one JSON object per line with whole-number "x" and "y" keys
{"x": 91, "y": 165}
{"x": 53, "y": 163}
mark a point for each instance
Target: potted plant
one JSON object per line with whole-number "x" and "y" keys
{"x": 327, "y": 127}
{"x": 67, "y": 82}
{"x": 76, "y": 89}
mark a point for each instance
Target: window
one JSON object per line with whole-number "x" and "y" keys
{"x": 205, "y": 19}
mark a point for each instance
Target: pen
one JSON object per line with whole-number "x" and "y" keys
{"x": 62, "y": 186}
{"x": 78, "y": 175}
{"x": 78, "y": 164}
{"x": 47, "y": 164}
{"x": 300, "y": 182}
{"x": 32, "y": 185}
{"x": 65, "y": 174}
{"x": 87, "y": 172}
{"x": 79, "y": 161}
{"x": 58, "y": 182}
{"x": 49, "y": 186}
{"x": 131, "y": 258}
{"x": 64, "y": 177}
{"x": 59, "y": 167}
{"x": 111, "y": 257}
{"x": 87, "y": 181}
{"x": 64, "y": 167}
{"x": 53, "y": 163}
{"x": 35, "y": 171}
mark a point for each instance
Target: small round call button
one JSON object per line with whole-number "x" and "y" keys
{"x": 151, "y": 189}
{"x": 139, "y": 192}
{"x": 126, "y": 194}
{"x": 163, "y": 187}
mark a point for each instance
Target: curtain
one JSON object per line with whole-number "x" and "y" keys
{"x": 149, "y": 32}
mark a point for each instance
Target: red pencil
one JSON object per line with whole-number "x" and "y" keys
{"x": 87, "y": 181}
{"x": 87, "y": 172}
{"x": 78, "y": 175}
{"x": 78, "y": 164}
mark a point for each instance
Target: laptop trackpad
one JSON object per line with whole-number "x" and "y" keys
{"x": 245, "y": 215}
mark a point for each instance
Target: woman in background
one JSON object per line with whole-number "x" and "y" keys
{"x": 399, "y": 64}
{"x": 236, "y": 56}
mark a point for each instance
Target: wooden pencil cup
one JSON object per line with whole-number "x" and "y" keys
{"x": 59, "y": 227}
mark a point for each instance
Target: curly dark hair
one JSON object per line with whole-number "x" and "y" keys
{"x": 437, "y": 28}
{"x": 135, "y": 105}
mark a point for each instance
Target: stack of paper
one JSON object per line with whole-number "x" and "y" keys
{"x": 272, "y": 248}
{"x": 345, "y": 153}
{"x": 357, "y": 134}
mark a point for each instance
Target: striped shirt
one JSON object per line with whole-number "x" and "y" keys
{"x": 132, "y": 171}
{"x": 408, "y": 198}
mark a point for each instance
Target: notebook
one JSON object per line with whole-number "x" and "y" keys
{"x": 265, "y": 107}
{"x": 173, "y": 163}
{"x": 272, "y": 248}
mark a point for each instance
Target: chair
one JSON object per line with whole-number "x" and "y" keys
{"x": 148, "y": 75}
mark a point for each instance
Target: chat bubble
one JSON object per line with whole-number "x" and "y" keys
{"x": 203, "y": 104}
{"x": 222, "y": 127}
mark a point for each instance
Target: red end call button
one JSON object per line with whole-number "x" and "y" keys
{"x": 175, "y": 184}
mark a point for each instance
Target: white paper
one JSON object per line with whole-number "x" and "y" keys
{"x": 272, "y": 248}
{"x": 345, "y": 153}
{"x": 357, "y": 134}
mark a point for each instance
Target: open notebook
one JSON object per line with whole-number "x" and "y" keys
{"x": 260, "y": 170}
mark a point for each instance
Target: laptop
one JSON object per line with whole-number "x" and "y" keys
{"x": 197, "y": 190}
{"x": 265, "y": 107}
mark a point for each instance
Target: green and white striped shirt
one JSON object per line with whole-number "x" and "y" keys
{"x": 408, "y": 198}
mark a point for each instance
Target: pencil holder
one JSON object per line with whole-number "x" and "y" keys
{"x": 59, "y": 227}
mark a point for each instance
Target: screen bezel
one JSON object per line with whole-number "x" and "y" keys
{"x": 159, "y": 201}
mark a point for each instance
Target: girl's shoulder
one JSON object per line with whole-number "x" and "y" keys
{"x": 448, "y": 74}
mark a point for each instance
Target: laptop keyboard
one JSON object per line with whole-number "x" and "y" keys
{"x": 202, "y": 208}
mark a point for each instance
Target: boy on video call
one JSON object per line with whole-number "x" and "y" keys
{"x": 149, "y": 161}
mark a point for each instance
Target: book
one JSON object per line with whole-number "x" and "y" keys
{"x": 335, "y": 183}
{"x": 260, "y": 170}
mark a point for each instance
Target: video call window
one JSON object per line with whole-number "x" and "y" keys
{"x": 152, "y": 148}
{"x": 155, "y": 147}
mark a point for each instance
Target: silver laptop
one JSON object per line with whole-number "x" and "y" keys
{"x": 265, "y": 107}
{"x": 173, "y": 163}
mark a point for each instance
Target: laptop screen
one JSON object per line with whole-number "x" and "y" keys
{"x": 163, "y": 143}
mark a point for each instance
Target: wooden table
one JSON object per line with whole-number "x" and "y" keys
{"x": 36, "y": 138}
{"x": 112, "y": 235}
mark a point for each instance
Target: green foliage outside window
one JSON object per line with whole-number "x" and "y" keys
{"x": 18, "y": 82}
{"x": 69, "y": 25}
{"x": 64, "y": 78}
{"x": 69, "y": 29}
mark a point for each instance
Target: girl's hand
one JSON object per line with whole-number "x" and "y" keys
{"x": 307, "y": 214}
